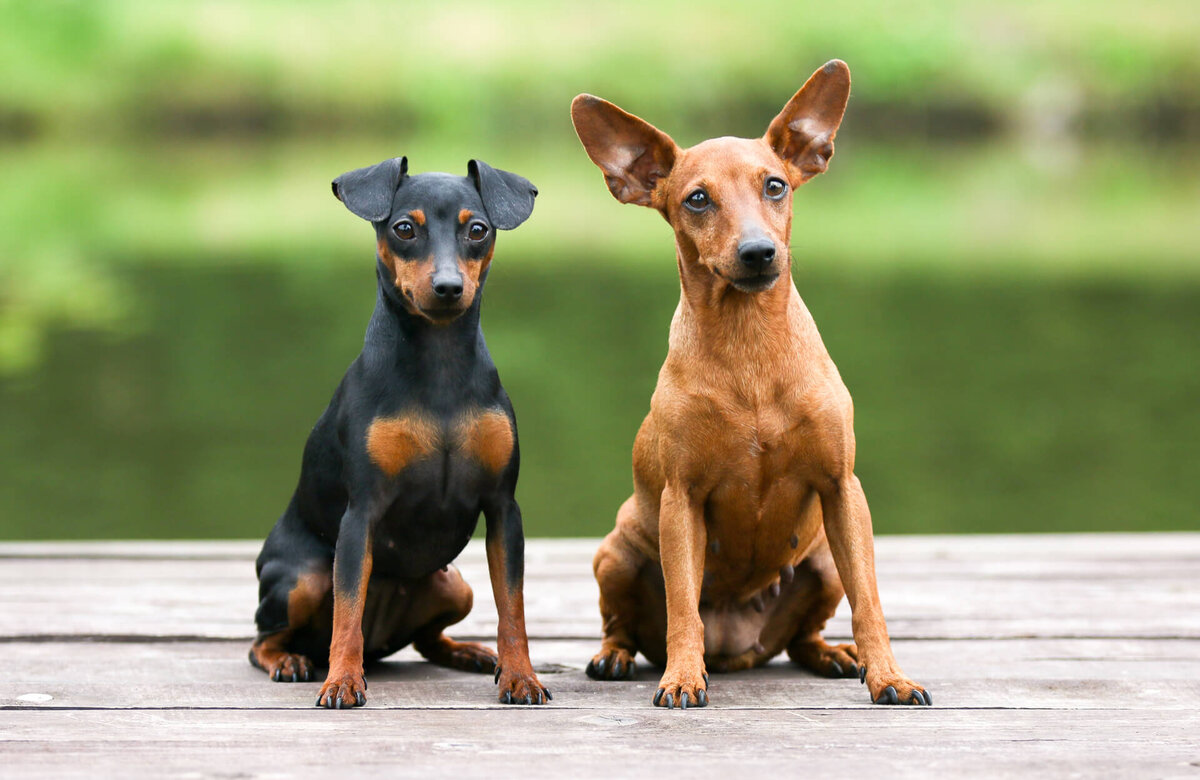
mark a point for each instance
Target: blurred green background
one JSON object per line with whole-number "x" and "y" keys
{"x": 1004, "y": 257}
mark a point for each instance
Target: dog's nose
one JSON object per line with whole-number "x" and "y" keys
{"x": 757, "y": 253}
{"x": 448, "y": 290}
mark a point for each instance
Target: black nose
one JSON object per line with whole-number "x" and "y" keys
{"x": 757, "y": 253}
{"x": 448, "y": 290}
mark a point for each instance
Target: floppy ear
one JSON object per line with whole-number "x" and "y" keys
{"x": 507, "y": 197}
{"x": 368, "y": 192}
{"x": 802, "y": 134}
{"x": 635, "y": 156}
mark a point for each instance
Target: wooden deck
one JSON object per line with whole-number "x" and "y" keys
{"x": 1046, "y": 656}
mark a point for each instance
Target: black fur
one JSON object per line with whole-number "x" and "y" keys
{"x": 419, "y": 520}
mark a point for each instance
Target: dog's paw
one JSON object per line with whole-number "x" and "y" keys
{"x": 826, "y": 660}
{"x": 520, "y": 688}
{"x": 467, "y": 656}
{"x": 685, "y": 688}
{"x": 889, "y": 688}
{"x": 343, "y": 690}
{"x": 616, "y": 664}
{"x": 291, "y": 668}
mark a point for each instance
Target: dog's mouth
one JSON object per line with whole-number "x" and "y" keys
{"x": 442, "y": 315}
{"x": 755, "y": 283}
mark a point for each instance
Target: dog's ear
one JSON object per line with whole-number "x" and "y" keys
{"x": 635, "y": 156}
{"x": 507, "y": 197}
{"x": 368, "y": 192}
{"x": 803, "y": 132}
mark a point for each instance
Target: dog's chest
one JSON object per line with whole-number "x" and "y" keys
{"x": 438, "y": 472}
{"x": 483, "y": 438}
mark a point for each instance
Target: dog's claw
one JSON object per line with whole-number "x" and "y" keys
{"x": 705, "y": 676}
{"x": 359, "y": 698}
{"x": 702, "y": 697}
{"x": 295, "y": 677}
{"x": 837, "y": 668}
{"x": 683, "y": 700}
{"x": 658, "y": 696}
{"x": 600, "y": 667}
{"x": 888, "y": 696}
{"x": 478, "y": 665}
{"x": 774, "y": 589}
{"x": 528, "y": 700}
{"x": 507, "y": 699}
{"x": 787, "y": 574}
{"x": 928, "y": 698}
{"x": 319, "y": 697}
{"x": 670, "y": 701}
{"x": 616, "y": 669}
{"x": 278, "y": 675}
{"x": 496, "y": 680}
{"x": 862, "y": 674}
{"x": 757, "y": 603}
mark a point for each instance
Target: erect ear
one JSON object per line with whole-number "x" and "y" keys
{"x": 507, "y": 197}
{"x": 368, "y": 192}
{"x": 635, "y": 156}
{"x": 802, "y": 134}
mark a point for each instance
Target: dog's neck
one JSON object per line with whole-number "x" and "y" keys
{"x": 402, "y": 336}
{"x": 717, "y": 321}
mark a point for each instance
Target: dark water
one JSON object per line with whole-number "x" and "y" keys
{"x": 982, "y": 405}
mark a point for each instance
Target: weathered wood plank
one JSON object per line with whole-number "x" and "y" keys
{"x": 957, "y": 587}
{"x": 1055, "y": 674}
{"x": 552, "y": 743}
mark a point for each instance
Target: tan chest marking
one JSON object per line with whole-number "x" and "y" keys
{"x": 393, "y": 443}
{"x": 487, "y": 437}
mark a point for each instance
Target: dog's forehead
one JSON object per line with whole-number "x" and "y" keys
{"x": 438, "y": 195}
{"x": 726, "y": 157}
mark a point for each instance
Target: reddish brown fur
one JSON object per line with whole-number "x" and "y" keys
{"x": 749, "y": 443}
{"x": 464, "y": 215}
{"x": 394, "y": 443}
{"x": 345, "y": 678}
{"x": 414, "y": 279}
{"x": 418, "y": 216}
{"x": 488, "y": 438}
{"x": 517, "y": 677}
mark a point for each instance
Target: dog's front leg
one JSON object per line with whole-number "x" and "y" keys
{"x": 681, "y": 540}
{"x": 506, "y": 565}
{"x": 345, "y": 685}
{"x": 848, "y": 528}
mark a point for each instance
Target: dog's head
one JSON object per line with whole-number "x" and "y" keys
{"x": 729, "y": 200}
{"x": 435, "y": 232}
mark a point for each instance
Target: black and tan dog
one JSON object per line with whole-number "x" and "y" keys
{"x": 747, "y": 519}
{"x": 418, "y": 440}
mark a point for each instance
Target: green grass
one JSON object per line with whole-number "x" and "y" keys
{"x": 510, "y": 68}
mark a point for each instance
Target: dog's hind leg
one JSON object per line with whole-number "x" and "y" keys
{"x": 618, "y": 564}
{"x": 816, "y": 578}
{"x": 294, "y": 585}
{"x": 440, "y": 600}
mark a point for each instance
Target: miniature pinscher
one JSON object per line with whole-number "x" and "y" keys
{"x": 747, "y": 524}
{"x": 418, "y": 440}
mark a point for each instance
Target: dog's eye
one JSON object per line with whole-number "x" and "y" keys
{"x": 477, "y": 232}
{"x": 774, "y": 188}
{"x": 697, "y": 201}
{"x": 404, "y": 229}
